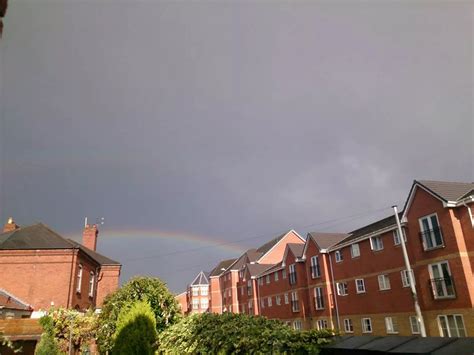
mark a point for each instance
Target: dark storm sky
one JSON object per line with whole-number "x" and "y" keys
{"x": 227, "y": 120}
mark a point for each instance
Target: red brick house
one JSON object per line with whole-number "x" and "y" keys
{"x": 198, "y": 295}
{"x": 42, "y": 268}
{"x": 215, "y": 305}
{"x": 12, "y": 307}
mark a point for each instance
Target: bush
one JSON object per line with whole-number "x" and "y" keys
{"x": 48, "y": 344}
{"x": 153, "y": 290}
{"x": 238, "y": 334}
{"x": 136, "y": 331}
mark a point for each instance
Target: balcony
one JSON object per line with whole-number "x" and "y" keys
{"x": 443, "y": 288}
{"x": 432, "y": 238}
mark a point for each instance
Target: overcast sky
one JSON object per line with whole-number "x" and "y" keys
{"x": 232, "y": 121}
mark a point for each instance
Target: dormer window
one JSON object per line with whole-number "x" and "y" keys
{"x": 79, "y": 279}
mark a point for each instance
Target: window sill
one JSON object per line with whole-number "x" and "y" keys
{"x": 444, "y": 297}
{"x": 385, "y": 289}
{"x": 434, "y": 248}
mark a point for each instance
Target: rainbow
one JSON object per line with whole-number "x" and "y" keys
{"x": 193, "y": 241}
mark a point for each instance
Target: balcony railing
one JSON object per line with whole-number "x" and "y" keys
{"x": 443, "y": 287}
{"x": 432, "y": 238}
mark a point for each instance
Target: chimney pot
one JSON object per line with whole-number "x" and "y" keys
{"x": 10, "y": 225}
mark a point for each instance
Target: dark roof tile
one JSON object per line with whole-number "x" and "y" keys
{"x": 448, "y": 191}
{"x": 221, "y": 267}
{"x": 326, "y": 240}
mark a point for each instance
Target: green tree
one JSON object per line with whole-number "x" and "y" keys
{"x": 136, "y": 330}
{"x": 48, "y": 344}
{"x": 153, "y": 290}
{"x": 238, "y": 334}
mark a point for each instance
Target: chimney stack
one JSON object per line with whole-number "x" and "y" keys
{"x": 89, "y": 236}
{"x": 10, "y": 226}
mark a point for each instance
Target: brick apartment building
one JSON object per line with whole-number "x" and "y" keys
{"x": 357, "y": 282}
{"x": 42, "y": 268}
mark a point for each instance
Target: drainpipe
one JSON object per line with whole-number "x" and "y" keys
{"x": 410, "y": 275}
{"x": 334, "y": 294}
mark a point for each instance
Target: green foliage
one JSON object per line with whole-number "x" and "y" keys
{"x": 153, "y": 290}
{"x": 136, "y": 330}
{"x": 238, "y": 334}
{"x": 48, "y": 344}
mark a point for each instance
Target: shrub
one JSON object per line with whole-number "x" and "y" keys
{"x": 48, "y": 344}
{"x": 238, "y": 334}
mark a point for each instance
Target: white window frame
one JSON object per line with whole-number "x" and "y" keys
{"x": 360, "y": 285}
{"x": 278, "y": 300}
{"x": 79, "y": 278}
{"x": 267, "y": 279}
{"x": 348, "y": 326}
{"x": 341, "y": 288}
{"x": 195, "y": 303}
{"x": 276, "y": 275}
{"x": 262, "y": 302}
{"x": 315, "y": 267}
{"x": 391, "y": 325}
{"x": 444, "y": 287}
{"x": 376, "y": 243}
{"x": 91, "y": 283}
{"x": 295, "y": 302}
{"x": 292, "y": 274}
{"x": 249, "y": 287}
{"x": 287, "y": 301}
{"x": 396, "y": 238}
{"x": 269, "y": 301}
{"x": 338, "y": 256}
{"x": 195, "y": 290}
{"x": 204, "y": 304}
{"x": 405, "y": 276}
{"x": 204, "y": 290}
{"x": 458, "y": 320}
{"x": 366, "y": 325}
{"x": 384, "y": 282}
{"x": 355, "y": 250}
{"x": 318, "y": 298}
{"x": 297, "y": 325}
{"x": 432, "y": 237}
{"x": 322, "y": 324}
{"x": 414, "y": 325}
{"x": 283, "y": 274}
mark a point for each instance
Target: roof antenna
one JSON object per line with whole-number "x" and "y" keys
{"x": 85, "y": 222}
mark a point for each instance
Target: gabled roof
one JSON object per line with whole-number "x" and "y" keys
{"x": 221, "y": 267}
{"x": 371, "y": 229}
{"x": 296, "y": 249}
{"x": 249, "y": 256}
{"x": 270, "y": 244}
{"x": 40, "y": 236}
{"x": 9, "y": 301}
{"x": 37, "y": 236}
{"x": 448, "y": 191}
{"x": 200, "y": 279}
{"x": 257, "y": 269}
{"x": 326, "y": 240}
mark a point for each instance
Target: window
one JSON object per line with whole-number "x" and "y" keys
{"x": 276, "y": 275}
{"x": 338, "y": 256}
{"x": 250, "y": 307}
{"x": 286, "y": 298}
{"x": 278, "y": 300}
{"x": 91, "y": 284}
{"x": 384, "y": 282}
{"x": 229, "y": 292}
{"x": 283, "y": 274}
{"x": 355, "y": 251}
{"x": 249, "y": 287}
{"x": 366, "y": 325}
{"x": 292, "y": 274}
{"x": 441, "y": 280}
{"x": 430, "y": 232}
{"x": 321, "y": 324}
{"x": 269, "y": 301}
{"x": 415, "y": 325}
{"x": 341, "y": 288}
{"x": 267, "y": 279}
{"x": 315, "y": 269}
{"x": 241, "y": 274}
{"x": 405, "y": 278}
{"x": 376, "y": 243}
{"x": 79, "y": 279}
{"x": 396, "y": 237}
{"x": 262, "y": 302}
{"x": 195, "y": 291}
{"x": 348, "y": 326}
{"x": 391, "y": 325}
{"x": 318, "y": 298}
{"x": 451, "y": 326}
{"x": 360, "y": 285}
{"x": 295, "y": 305}
{"x": 204, "y": 290}
{"x": 195, "y": 303}
{"x": 204, "y": 303}
{"x": 297, "y": 325}
{"x": 260, "y": 281}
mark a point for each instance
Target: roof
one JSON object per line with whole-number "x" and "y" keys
{"x": 21, "y": 329}
{"x": 270, "y": 244}
{"x": 371, "y": 228}
{"x": 221, "y": 267}
{"x": 296, "y": 249}
{"x": 326, "y": 240}
{"x": 200, "y": 279}
{"x": 9, "y": 301}
{"x": 40, "y": 236}
{"x": 247, "y": 257}
{"x": 448, "y": 191}
{"x": 257, "y": 269}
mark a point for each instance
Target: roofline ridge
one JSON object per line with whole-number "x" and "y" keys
{"x": 15, "y": 297}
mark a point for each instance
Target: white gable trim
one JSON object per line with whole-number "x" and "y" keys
{"x": 273, "y": 247}
{"x": 411, "y": 196}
